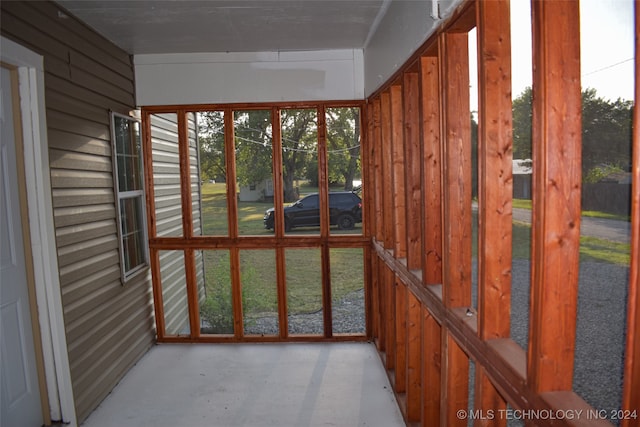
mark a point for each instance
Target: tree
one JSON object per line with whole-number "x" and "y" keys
{"x": 210, "y": 130}
{"x": 343, "y": 145}
{"x": 522, "y": 124}
{"x": 253, "y": 146}
{"x": 299, "y": 146}
{"x": 606, "y": 130}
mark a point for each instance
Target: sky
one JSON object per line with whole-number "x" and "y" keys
{"x": 607, "y": 51}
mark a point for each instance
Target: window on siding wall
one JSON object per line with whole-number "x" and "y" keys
{"x": 129, "y": 190}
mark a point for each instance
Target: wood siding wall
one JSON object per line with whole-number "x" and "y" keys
{"x": 108, "y": 326}
{"x": 425, "y": 323}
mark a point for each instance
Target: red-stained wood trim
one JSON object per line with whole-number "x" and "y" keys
{"x": 236, "y": 293}
{"x": 631, "y": 386}
{"x": 495, "y": 189}
{"x": 398, "y": 211}
{"x": 390, "y": 320}
{"x": 412, "y": 170}
{"x": 432, "y": 170}
{"x": 400, "y": 353}
{"x": 387, "y": 169}
{"x": 381, "y": 314}
{"x": 414, "y": 358}
{"x": 230, "y": 160}
{"x": 158, "y": 109}
{"x": 278, "y": 200}
{"x": 323, "y": 168}
{"x": 457, "y": 215}
{"x": 431, "y": 367}
{"x": 557, "y": 118}
{"x": 377, "y": 184}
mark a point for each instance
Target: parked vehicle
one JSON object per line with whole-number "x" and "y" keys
{"x": 345, "y": 210}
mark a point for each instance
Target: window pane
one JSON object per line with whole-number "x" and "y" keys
{"x": 347, "y": 291}
{"x": 254, "y": 170}
{"x": 213, "y": 173}
{"x": 300, "y": 169}
{"x": 174, "y": 293}
{"x": 259, "y": 292}
{"x": 128, "y": 153}
{"x": 133, "y": 233}
{"x": 343, "y": 153}
{"x": 166, "y": 174}
{"x": 304, "y": 291}
{"x": 216, "y": 308}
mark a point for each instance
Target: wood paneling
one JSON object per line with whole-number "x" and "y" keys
{"x": 451, "y": 331}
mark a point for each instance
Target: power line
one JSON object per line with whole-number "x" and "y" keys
{"x": 607, "y": 67}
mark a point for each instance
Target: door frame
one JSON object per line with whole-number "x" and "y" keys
{"x": 59, "y": 389}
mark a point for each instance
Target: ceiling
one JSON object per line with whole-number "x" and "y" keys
{"x": 183, "y": 26}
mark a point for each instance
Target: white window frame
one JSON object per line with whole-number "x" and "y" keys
{"x": 126, "y": 275}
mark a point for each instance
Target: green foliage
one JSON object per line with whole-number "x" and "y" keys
{"x": 606, "y": 129}
{"x": 601, "y": 172}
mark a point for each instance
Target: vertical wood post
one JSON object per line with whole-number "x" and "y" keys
{"x": 456, "y": 290}
{"x": 398, "y": 180}
{"x": 495, "y": 186}
{"x": 387, "y": 170}
{"x": 556, "y": 136}
{"x": 432, "y": 233}
{"x": 412, "y": 170}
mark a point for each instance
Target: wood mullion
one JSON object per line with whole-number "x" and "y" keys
{"x": 323, "y": 168}
{"x": 236, "y": 293}
{"x": 230, "y": 162}
{"x": 431, "y": 369}
{"x": 556, "y": 194}
{"x": 401, "y": 335}
{"x": 281, "y": 269}
{"x": 387, "y": 171}
{"x": 397, "y": 170}
{"x": 412, "y": 171}
{"x": 414, "y": 358}
{"x": 390, "y": 311}
{"x": 631, "y": 386}
{"x": 378, "y": 188}
{"x": 185, "y": 174}
{"x": 457, "y": 215}
{"x": 432, "y": 170}
{"x": 495, "y": 154}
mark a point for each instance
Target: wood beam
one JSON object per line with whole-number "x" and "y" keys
{"x": 557, "y": 117}
{"x": 397, "y": 170}
{"x": 495, "y": 188}
{"x": 432, "y": 170}
{"x": 412, "y": 170}
{"x": 456, "y": 146}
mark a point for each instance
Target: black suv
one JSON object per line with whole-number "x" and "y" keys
{"x": 345, "y": 210}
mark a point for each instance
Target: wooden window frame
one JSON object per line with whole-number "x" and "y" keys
{"x": 279, "y": 241}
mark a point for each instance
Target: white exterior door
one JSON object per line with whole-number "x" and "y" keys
{"x": 19, "y": 392}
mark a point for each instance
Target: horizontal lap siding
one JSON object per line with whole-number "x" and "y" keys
{"x": 108, "y": 326}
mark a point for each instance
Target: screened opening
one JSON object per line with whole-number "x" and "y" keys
{"x": 240, "y": 254}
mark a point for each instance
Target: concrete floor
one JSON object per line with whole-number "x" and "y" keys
{"x": 293, "y": 384}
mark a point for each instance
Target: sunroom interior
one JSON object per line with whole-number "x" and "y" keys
{"x": 493, "y": 267}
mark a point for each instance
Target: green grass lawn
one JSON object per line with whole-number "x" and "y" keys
{"x": 303, "y": 266}
{"x": 257, "y": 267}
